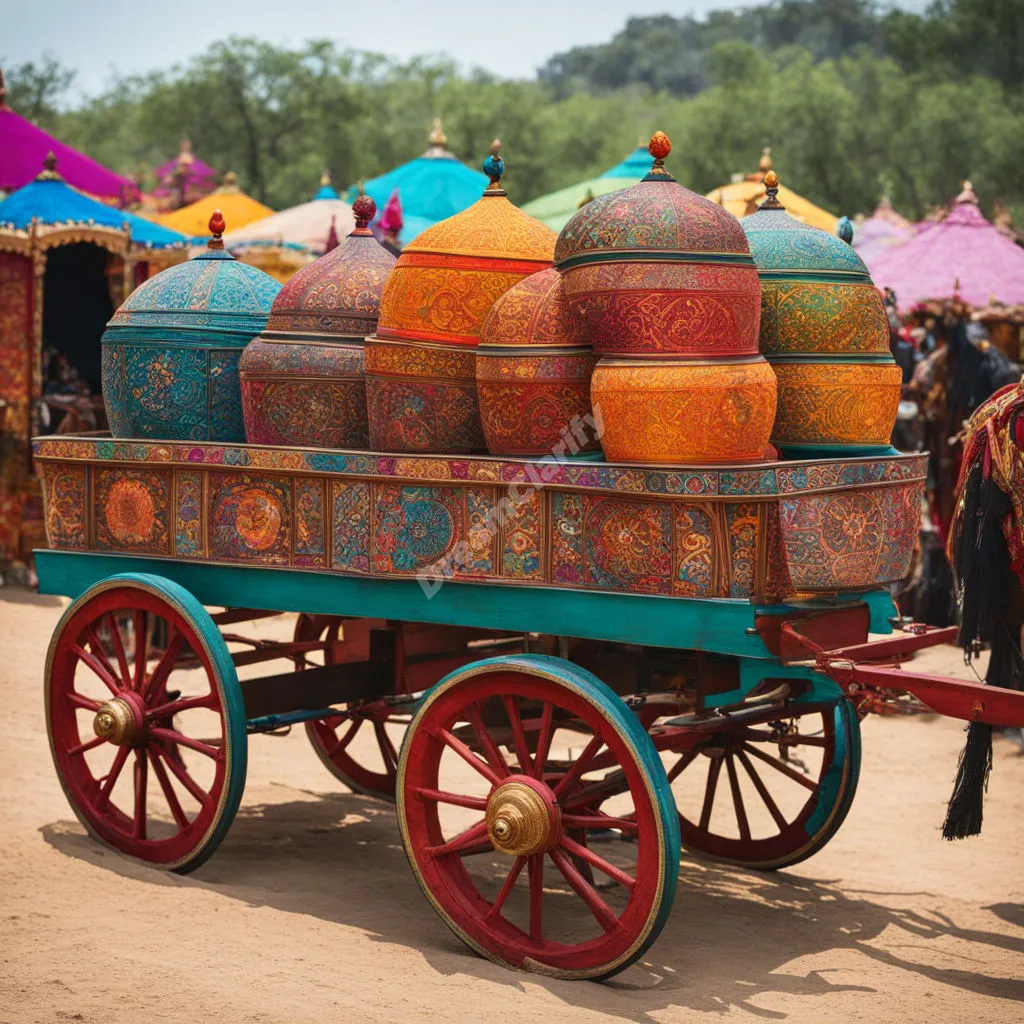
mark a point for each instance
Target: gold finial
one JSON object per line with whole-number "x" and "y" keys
{"x": 230, "y": 183}
{"x": 765, "y": 163}
{"x": 49, "y": 171}
{"x": 771, "y": 188}
{"x": 437, "y": 136}
{"x": 495, "y": 147}
{"x": 185, "y": 156}
{"x": 325, "y": 178}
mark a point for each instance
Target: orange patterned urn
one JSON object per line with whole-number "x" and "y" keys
{"x": 825, "y": 332}
{"x": 421, "y": 364}
{"x": 684, "y": 411}
{"x": 533, "y": 373}
{"x": 302, "y": 378}
{"x": 657, "y": 270}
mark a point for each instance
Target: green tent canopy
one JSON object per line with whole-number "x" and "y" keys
{"x": 556, "y": 208}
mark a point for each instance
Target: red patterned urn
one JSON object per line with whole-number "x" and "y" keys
{"x": 421, "y": 364}
{"x": 656, "y": 270}
{"x": 533, "y": 371}
{"x": 302, "y": 378}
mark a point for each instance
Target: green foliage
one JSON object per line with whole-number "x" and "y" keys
{"x": 854, "y": 102}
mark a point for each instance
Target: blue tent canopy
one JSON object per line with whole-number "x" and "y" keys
{"x": 431, "y": 188}
{"x": 636, "y": 165}
{"x": 53, "y": 201}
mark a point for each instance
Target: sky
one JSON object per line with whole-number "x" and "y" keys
{"x": 508, "y": 37}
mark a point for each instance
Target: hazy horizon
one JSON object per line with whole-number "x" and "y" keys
{"x": 511, "y": 42}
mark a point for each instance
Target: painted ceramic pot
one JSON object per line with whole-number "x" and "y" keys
{"x": 658, "y": 270}
{"x": 533, "y": 373}
{"x": 433, "y": 308}
{"x": 171, "y": 352}
{"x": 302, "y": 379}
{"x": 816, "y": 293}
{"x": 422, "y": 398}
{"x": 833, "y": 403}
{"x": 684, "y": 411}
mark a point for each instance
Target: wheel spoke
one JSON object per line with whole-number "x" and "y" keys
{"x": 544, "y": 737}
{"x": 465, "y": 842}
{"x": 599, "y": 821}
{"x": 83, "y": 702}
{"x": 579, "y": 766}
{"x": 606, "y": 917}
{"x": 612, "y": 784}
{"x": 179, "y": 772}
{"x": 157, "y": 683}
{"x": 169, "y": 795}
{"x": 682, "y": 764}
{"x": 781, "y": 766}
{"x": 709, "y": 794}
{"x": 175, "y": 707}
{"x": 107, "y": 783}
{"x": 536, "y": 873}
{"x": 141, "y": 778}
{"x": 515, "y": 720}
{"x": 118, "y": 641}
{"x": 347, "y": 738}
{"x": 87, "y": 745}
{"x": 98, "y": 668}
{"x": 96, "y": 648}
{"x": 762, "y": 789}
{"x": 737, "y": 799}
{"x": 173, "y": 736}
{"x": 486, "y": 741}
{"x": 595, "y": 860}
{"x": 141, "y": 620}
{"x": 387, "y": 749}
{"x": 469, "y": 757}
{"x": 477, "y": 803}
{"x": 506, "y": 888}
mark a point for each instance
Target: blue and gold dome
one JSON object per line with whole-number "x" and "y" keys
{"x": 171, "y": 351}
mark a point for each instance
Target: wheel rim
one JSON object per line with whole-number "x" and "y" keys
{"x": 534, "y": 893}
{"x": 770, "y": 794}
{"x": 371, "y": 768}
{"x": 142, "y": 747}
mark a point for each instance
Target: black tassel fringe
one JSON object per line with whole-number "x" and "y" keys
{"x": 966, "y": 805}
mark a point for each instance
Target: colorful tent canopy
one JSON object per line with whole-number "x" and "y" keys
{"x": 432, "y": 187}
{"x": 238, "y": 209}
{"x": 885, "y": 227}
{"x": 962, "y": 255}
{"x": 23, "y": 147}
{"x": 283, "y": 242}
{"x": 50, "y": 201}
{"x": 199, "y": 179}
{"x": 556, "y": 208}
{"x": 741, "y": 198}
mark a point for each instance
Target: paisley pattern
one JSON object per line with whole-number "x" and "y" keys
{"x": 815, "y": 317}
{"x": 535, "y": 313}
{"x": 651, "y": 215}
{"x": 836, "y": 403}
{"x": 779, "y": 242}
{"x": 641, "y": 308}
{"x": 133, "y": 510}
{"x": 721, "y": 533}
{"x": 412, "y": 359}
{"x": 314, "y": 414}
{"x": 338, "y": 294}
{"x": 684, "y": 413}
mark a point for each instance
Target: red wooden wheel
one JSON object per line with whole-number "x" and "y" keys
{"x": 537, "y": 819}
{"x": 151, "y": 755}
{"x": 769, "y": 794}
{"x": 360, "y": 751}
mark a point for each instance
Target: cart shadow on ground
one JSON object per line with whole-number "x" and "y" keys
{"x": 733, "y": 935}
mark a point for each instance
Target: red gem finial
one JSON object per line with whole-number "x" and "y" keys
{"x": 365, "y": 209}
{"x": 217, "y": 227}
{"x": 659, "y": 147}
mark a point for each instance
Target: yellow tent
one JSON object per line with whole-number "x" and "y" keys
{"x": 741, "y": 198}
{"x": 238, "y": 209}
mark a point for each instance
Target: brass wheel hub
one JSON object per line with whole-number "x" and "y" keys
{"x": 115, "y": 722}
{"x": 523, "y": 817}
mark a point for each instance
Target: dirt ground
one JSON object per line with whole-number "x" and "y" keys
{"x": 309, "y": 912}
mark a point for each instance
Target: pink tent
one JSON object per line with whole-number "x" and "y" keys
{"x": 23, "y": 148}
{"x": 884, "y": 228}
{"x": 200, "y": 178}
{"x": 962, "y": 254}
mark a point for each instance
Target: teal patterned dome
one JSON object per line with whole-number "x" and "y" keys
{"x": 171, "y": 352}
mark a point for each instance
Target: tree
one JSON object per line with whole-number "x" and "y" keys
{"x": 36, "y": 90}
